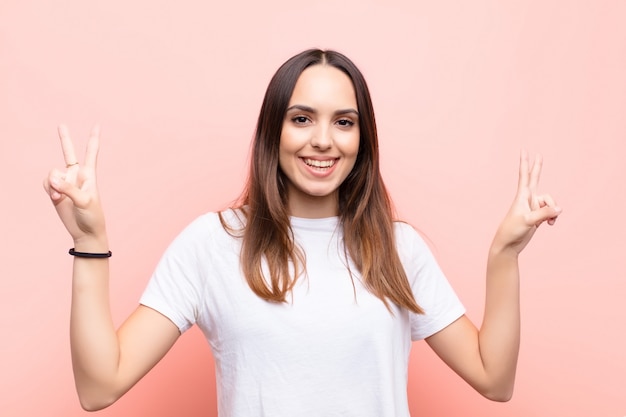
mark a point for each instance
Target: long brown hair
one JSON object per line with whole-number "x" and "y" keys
{"x": 365, "y": 209}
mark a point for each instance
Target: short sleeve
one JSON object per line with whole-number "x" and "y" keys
{"x": 176, "y": 285}
{"x": 431, "y": 289}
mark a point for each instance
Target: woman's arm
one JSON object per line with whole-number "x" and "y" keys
{"x": 487, "y": 358}
{"x": 106, "y": 362}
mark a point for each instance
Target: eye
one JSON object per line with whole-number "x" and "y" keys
{"x": 345, "y": 122}
{"x": 300, "y": 120}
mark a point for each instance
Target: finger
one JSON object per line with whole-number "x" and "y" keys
{"x": 523, "y": 170}
{"x": 543, "y": 214}
{"x": 93, "y": 145}
{"x": 536, "y": 202}
{"x": 67, "y": 146}
{"x": 64, "y": 188}
{"x": 549, "y": 201}
{"x": 53, "y": 177}
{"x": 52, "y": 193}
{"x": 535, "y": 173}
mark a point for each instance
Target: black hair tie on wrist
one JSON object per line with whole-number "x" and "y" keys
{"x": 89, "y": 254}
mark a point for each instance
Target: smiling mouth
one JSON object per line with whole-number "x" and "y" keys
{"x": 314, "y": 163}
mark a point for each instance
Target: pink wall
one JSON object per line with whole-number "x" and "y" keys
{"x": 459, "y": 87}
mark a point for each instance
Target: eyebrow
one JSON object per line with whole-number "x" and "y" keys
{"x": 308, "y": 109}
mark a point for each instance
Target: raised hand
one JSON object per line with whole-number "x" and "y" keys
{"x": 529, "y": 210}
{"x": 74, "y": 192}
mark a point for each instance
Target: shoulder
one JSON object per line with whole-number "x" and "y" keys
{"x": 214, "y": 221}
{"x": 412, "y": 249}
{"x": 210, "y": 229}
{"x": 406, "y": 236}
{"x": 201, "y": 225}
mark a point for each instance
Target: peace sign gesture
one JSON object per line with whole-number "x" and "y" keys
{"x": 529, "y": 209}
{"x": 73, "y": 190}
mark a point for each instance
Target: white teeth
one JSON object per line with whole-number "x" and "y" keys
{"x": 320, "y": 164}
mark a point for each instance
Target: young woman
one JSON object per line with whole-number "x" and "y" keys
{"x": 308, "y": 291}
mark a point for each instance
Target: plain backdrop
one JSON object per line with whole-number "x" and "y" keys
{"x": 458, "y": 87}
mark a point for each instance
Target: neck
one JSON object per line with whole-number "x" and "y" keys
{"x": 312, "y": 207}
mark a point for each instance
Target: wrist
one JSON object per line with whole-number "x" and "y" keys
{"x": 503, "y": 251}
{"x": 92, "y": 244}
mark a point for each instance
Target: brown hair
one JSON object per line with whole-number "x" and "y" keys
{"x": 365, "y": 209}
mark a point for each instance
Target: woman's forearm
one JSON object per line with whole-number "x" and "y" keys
{"x": 499, "y": 335}
{"x": 94, "y": 343}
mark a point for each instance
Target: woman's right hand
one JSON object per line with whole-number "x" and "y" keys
{"x": 74, "y": 192}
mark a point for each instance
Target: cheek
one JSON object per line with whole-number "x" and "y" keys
{"x": 357, "y": 145}
{"x": 354, "y": 150}
{"x": 284, "y": 146}
{"x": 286, "y": 153}
{"x": 291, "y": 140}
{"x": 352, "y": 143}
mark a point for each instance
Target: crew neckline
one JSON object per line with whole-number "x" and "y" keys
{"x": 321, "y": 224}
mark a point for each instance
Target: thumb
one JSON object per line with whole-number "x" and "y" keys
{"x": 546, "y": 213}
{"x": 65, "y": 188}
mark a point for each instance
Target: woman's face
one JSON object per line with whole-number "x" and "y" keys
{"x": 319, "y": 141}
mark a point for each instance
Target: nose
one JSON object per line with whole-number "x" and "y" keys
{"x": 322, "y": 138}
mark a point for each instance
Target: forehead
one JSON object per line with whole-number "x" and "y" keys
{"x": 324, "y": 85}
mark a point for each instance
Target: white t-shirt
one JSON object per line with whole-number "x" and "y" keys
{"x": 333, "y": 350}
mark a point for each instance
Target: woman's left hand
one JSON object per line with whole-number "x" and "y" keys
{"x": 529, "y": 210}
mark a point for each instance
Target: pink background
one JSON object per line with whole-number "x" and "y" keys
{"x": 459, "y": 88}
